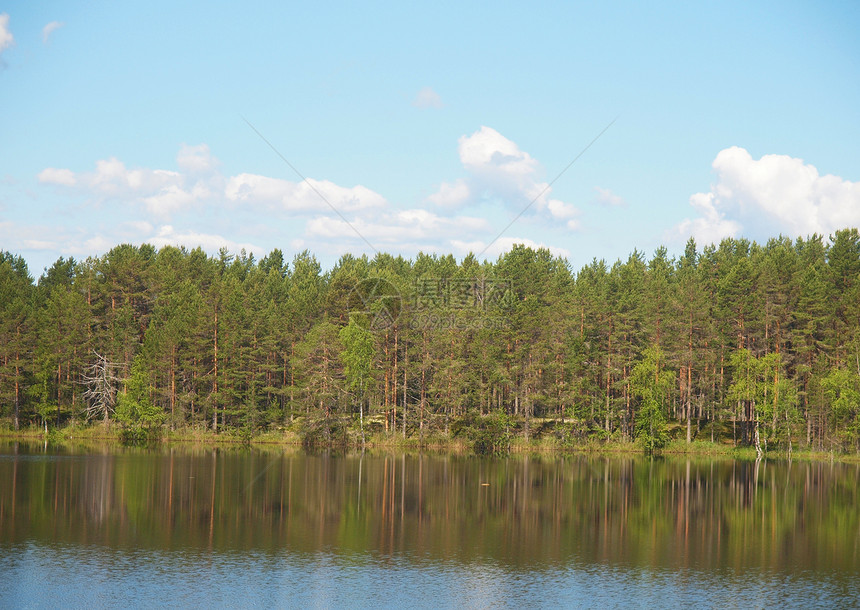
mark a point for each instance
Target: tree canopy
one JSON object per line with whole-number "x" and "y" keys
{"x": 734, "y": 338}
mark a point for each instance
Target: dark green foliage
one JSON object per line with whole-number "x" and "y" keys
{"x": 651, "y": 384}
{"x": 488, "y": 434}
{"x": 322, "y": 432}
{"x": 731, "y": 341}
{"x": 140, "y": 419}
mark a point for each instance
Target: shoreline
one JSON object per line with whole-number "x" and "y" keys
{"x": 435, "y": 442}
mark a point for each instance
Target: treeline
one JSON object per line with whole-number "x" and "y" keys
{"x": 758, "y": 342}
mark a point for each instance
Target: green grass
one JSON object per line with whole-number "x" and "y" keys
{"x": 458, "y": 440}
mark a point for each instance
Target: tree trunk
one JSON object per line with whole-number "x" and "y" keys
{"x": 361, "y": 412}
{"x": 215, "y": 387}
{"x": 394, "y": 387}
{"x": 18, "y": 394}
{"x": 405, "y": 368}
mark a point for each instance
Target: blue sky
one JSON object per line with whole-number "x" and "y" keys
{"x": 428, "y": 128}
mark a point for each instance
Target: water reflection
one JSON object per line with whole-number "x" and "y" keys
{"x": 679, "y": 516}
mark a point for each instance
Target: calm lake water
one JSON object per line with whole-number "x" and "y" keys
{"x": 182, "y": 527}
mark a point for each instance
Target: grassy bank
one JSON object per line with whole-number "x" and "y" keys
{"x": 488, "y": 435}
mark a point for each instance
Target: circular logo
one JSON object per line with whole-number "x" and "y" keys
{"x": 376, "y": 303}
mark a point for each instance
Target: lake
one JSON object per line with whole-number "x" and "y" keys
{"x": 231, "y": 527}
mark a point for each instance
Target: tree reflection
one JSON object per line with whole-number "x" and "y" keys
{"x": 529, "y": 511}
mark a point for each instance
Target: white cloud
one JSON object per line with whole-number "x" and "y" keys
{"x": 499, "y": 171}
{"x": 164, "y": 195}
{"x": 46, "y": 242}
{"x": 305, "y": 195}
{"x": 502, "y": 245}
{"x": 152, "y": 204}
{"x": 427, "y": 98}
{"x": 6, "y": 38}
{"x": 38, "y": 244}
{"x": 411, "y": 231}
{"x": 196, "y": 159}
{"x": 563, "y": 211}
{"x": 488, "y": 152}
{"x": 49, "y": 29}
{"x": 64, "y": 177}
{"x": 171, "y": 199}
{"x": 776, "y": 193}
{"x": 167, "y": 235}
{"x": 138, "y": 226}
{"x": 112, "y": 178}
{"x": 451, "y": 194}
{"x": 97, "y": 243}
{"x": 607, "y": 197}
{"x": 161, "y": 192}
{"x": 92, "y": 240}
{"x": 709, "y": 228}
{"x": 415, "y": 225}
{"x": 17, "y": 237}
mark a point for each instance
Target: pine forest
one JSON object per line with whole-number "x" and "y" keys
{"x": 741, "y": 343}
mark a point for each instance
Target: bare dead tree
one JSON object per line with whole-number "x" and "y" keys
{"x": 102, "y": 382}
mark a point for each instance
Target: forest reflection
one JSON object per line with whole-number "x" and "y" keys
{"x": 519, "y": 512}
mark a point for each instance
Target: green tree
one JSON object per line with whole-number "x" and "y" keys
{"x": 135, "y": 411}
{"x": 842, "y": 389}
{"x": 357, "y": 356}
{"x": 651, "y": 383}
{"x": 16, "y": 333}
